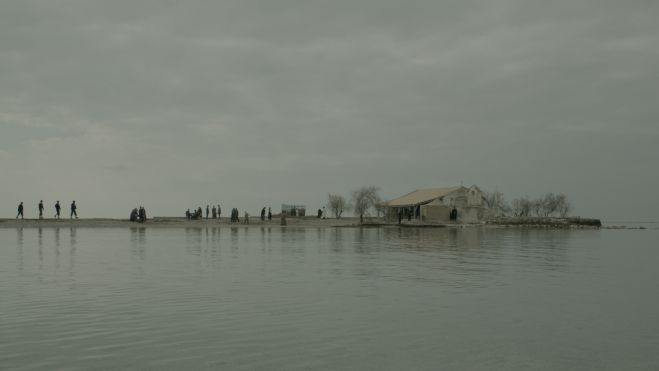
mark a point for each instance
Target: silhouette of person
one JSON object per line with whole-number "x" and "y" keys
{"x": 324, "y": 213}
{"x": 74, "y": 210}
{"x": 57, "y": 209}
{"x": 208, "y": 211}
{"x": 219, "y": 211}
{"x": 263, "y": 214}
{"x": 142, "y": 214}
{"x": 20, "y": 211}
{"x": 269, "y": 214}
{"x": 41, "y": 209}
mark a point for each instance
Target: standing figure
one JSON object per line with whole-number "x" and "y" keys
{"x": 74, "y": 209}
{"x": 214, "y": 211}
{"x": 41, "y": 209}
{"x": 324, "y": 213}
{"x": 269, "y": 214}
{"x": 246, "y": 220}
{"x": 263, "y": 214}
{"x": 58, "y": 208}
{"x": 219, "y": 211}
{"x": 207, "y": 211}
{"x": 20, "y": 210}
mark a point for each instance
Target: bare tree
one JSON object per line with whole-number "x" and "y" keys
{"x": 337, "y": 204}
{"x": 522, "y": 206}
{"x": 546, "y": 206}
{"x": 364, "y": 199}
{"x": 496, "y": 201}
{"x": 564, "y": 208}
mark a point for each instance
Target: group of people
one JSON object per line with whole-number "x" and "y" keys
{"x": 215, "y": 212}
{"x": 235, "y": 216}
{"x": 58, "y": 210}
{"x": 263, "y": 214}
{"x": 196, "y": 214}
{"x": 138, "y": 215}
{"x": 322, "y": 213}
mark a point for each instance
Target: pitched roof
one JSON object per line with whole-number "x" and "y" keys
{"x": 421, "y": 196}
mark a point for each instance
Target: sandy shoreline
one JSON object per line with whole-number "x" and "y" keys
{"x": 173, "y": 222}
{"x": 297, "y": 222}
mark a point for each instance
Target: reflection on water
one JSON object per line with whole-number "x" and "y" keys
{"x": 328, "y": 298}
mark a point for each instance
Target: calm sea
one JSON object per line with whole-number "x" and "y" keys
{"x": 329, "y": 299}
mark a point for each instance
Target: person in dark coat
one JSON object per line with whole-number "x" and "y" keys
{"x": 263, "y": 214}
{"x": 142, "y": 214}
{"x": 269, "y": 214}
{"x": 58, "y": 208}
{"x": 20, "y": 211}
{"x": 208, "y": 211}
{"x": 41, "y": 209}
{"x": 74, "y": 210}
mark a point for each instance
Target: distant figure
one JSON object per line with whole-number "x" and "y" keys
{"x": 41, "y": 209}
{"x": 188, "y": 214}
{"x": 133, "y": 215}
{"x": 219, "y": 211}
{"x": 269, "y": 214}
{"x": 320, "y": 214}
{"x": 214, "y": 211}
{"x": 263, "y": 214}
{"x": 20, "y": 211}
{"x": 58, "y": 208}
{"x": 324, "y": 213}
{"x": 208, "y": 210}
{"x": 200, "y": 214}
{"x": 142, "y": 214}
{"x": 246, "y": 219}
{"x": 74, "y": 210}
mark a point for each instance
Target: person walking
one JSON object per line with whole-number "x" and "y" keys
{"x": 58, "y": 208}
{"x": 74, "y": 209}
{"x": 41, "y": 209}
{"x": 20, "y": 211}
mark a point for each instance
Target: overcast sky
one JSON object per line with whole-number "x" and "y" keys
{"x": 175, "y": 104}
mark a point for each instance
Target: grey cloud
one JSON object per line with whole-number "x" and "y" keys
{"x": 282, "y": 101}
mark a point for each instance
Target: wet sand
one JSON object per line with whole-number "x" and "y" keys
{"x": 173, "y": 222}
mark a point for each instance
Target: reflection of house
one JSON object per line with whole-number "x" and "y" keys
{"x": 435, "y": 205}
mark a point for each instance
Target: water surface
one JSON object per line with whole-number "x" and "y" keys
{"x": 297, "y": 299}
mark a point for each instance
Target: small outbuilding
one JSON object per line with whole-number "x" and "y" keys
{"x": 436, "y": 205}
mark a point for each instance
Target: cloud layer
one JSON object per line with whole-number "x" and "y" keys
{"x": 252, "y": 103}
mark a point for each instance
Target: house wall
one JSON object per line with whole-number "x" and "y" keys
{"x": 435, "y": 213}
{"x": 474, "y": 197}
